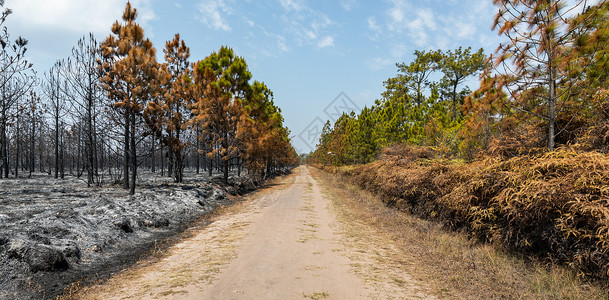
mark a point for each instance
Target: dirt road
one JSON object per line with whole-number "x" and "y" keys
{"x": 284, "y": 242}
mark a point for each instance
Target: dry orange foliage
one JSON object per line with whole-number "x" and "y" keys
{"x": 553, "y": 205}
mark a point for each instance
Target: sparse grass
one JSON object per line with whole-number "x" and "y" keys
{"x": 450, "y": 263}
{"x": 308, "y": 208}
{"x": 317, "y": 295}
{"x": 305, "y": 238}
{"x": 308, "y": 232}
{"x": 309, "y": 224}
{"x": 172, "y": 292}
{"x": 314, "y": 268}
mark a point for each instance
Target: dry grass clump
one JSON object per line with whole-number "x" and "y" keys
{"x": 554, "y": 205}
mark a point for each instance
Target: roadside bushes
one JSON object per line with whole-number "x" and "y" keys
{"x": 554, "y": 205}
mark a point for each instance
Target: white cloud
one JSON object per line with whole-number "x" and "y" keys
{"x": 322, "y": 21}
{"x": 464, "y": 30}
{"x": 310, "y": 34}
{"x": 372, "y": 25}
{"x": 327, "y": 41}
{"x": 397, "y": 13}
{"x": 417, "y": 25}
{"x": 75, "y": 16}
{"x": 399, "y": 50}
{"x": 427, "y": 17}
{"x": 304, "y": 26}
{"x": 249, "y": 22}
{"x": 432, "y": 23}
{"x": 292, "y": 5}
{"x": 212, "y": 14}
{"x": 282, "y": 45}
{"x": 348, "y": 5}
{"x": 377, "y": 64}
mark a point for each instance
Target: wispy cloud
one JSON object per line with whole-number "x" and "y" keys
{"x": 282, "y": 45}
{"x": 378, "y": 63}
{"x": 348, "y": 5}
{"x": 374, "y": 27}
{"x": 426, "y": 27}
{"x": 213, "y": 14}
{"x": 249, "y": 21}
{"x": 304, "y": 26}
{"x": 399, "y": 50}
{"x": 327, "y": 41}
{"x": 292, "y": 5}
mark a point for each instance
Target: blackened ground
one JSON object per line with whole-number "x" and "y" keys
{"x": 54, "y": 232}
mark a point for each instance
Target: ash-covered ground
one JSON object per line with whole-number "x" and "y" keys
{"x": 57, "y": 231}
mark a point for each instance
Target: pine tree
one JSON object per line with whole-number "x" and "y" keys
{"x": 168, "y": 116}
{"x": 457, "y": 66}
{"x": 531, "y": 66}
{"x": 16, "y": 80}
{"x": 223, "y": 79}
{"x": 52, "y": 87}
{"x": 84, "y": 93}
{"x": 130, "y": 70}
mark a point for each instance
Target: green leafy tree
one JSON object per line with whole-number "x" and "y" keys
{"x": 457, "y": 66}
{"x": 415, "y": 76}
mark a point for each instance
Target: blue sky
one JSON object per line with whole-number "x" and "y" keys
{"x": 316, "y": 56}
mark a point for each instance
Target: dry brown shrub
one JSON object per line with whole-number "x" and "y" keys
{"x": 554, "y": 205}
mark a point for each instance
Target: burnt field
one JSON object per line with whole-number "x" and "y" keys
{"x": 54, "y": 232}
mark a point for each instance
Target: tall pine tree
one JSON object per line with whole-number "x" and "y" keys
{"x": 130, "y": 70}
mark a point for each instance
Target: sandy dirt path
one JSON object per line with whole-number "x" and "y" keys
{"x": 283, "y": 243}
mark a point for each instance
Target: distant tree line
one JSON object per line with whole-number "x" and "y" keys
{"x": 111, "y": 108}
{"x": 545, "y": 87}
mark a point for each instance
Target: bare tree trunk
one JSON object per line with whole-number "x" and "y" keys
{"x": 552, "y": 119}
{"x": 225, "y": 161}
{"x": 210, "y": 159}
{"x": 179, "y": 159}
{"x": 170, "y": 161}
{"x": 32, "y": 145}
{"x": 197, "y": 154}
{"x": 162, "y": 161}
{"x": 552, "y": 87}
{"x": 18, "y": 150}
{"x": 56, "y": 145}
{"x": 153, "y": 156}
{"x": 62, "y": 156}
{"x": 79, "y": 154}
{"x": 455, "y": 101}
{"x": 126, "y": 151}
{"x": 238, "y": 166}
{"x": 89, "y": 146}
{"x": 133, "y": 155}
{"x": 4, "y": 145}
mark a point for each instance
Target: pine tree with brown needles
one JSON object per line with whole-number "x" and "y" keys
{"x": 169, "y": 115}
{"x": 130, "y": 70}
{"x": 532, "y": 66}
